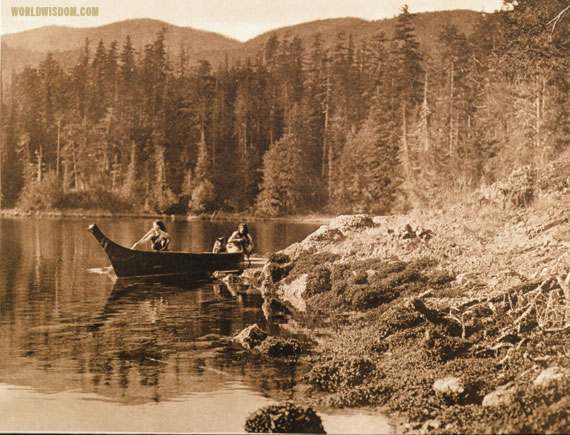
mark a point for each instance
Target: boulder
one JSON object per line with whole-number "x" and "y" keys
{"x": 549, "y": 376}
{"x": 250, "y": 337}
{"x": 501, "y": 396}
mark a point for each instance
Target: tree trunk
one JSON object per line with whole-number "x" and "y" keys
{"x": 451, "y": 111}
{"x": 425, "y": 112}
{"x": 75, "y": 174}
{"x": 330, "y": 171}
{"x": 58, "y": 148}
{"x": 405, "y": 143}
{"x": 40, "y": 162}
{"x": 326, "y": 111}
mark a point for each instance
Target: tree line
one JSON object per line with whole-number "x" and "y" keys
{"x": 379, "y": 126}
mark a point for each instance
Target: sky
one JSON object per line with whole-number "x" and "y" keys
{"x": 239, "y": 19}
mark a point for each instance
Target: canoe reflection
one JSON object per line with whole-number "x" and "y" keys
{"x": 157, "y": 340}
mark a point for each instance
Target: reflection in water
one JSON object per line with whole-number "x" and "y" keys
{"x": 70, "y": 337}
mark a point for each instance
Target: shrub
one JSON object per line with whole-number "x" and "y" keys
{"x": 203, "y": 197}
{"x": 42, "y": 195}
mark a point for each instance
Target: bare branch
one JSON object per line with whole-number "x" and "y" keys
{"x": 558, "y": 17}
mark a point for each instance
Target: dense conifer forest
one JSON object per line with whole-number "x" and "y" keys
{"x": 377, "y": 126}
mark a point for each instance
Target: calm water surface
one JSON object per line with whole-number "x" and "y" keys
{"x": 82, "y": 352}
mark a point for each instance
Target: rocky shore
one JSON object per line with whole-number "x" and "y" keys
{"x": 457, "y": 320}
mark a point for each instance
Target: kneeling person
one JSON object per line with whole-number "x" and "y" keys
{"x": 240, "y": 241}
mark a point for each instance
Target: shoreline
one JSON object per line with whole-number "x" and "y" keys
{"x": 449, "y": 322}
{"x": 215, "y": 216}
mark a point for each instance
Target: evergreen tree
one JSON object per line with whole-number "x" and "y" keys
{"x": 284, "y": 189}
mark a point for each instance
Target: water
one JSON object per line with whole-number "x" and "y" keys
{"x": 84, "y": 353}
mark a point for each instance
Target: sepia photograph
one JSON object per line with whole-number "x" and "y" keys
{"x": 294, "y": 216}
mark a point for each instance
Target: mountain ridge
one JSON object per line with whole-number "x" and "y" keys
{"x": 31, "y": 46}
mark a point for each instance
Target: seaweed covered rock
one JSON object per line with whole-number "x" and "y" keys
{"x": 286, "y": 418}
{"x": 442, "y": 347}
{"x": 326, "y": 234}
{"x": 250, "y": 337}
{"x": 366, "y": 284}
{"x": 346, "y": 223}
{"x": 277, "y": 267}
{"x": 275, "y": 347}
{"x": 335, "y": 374}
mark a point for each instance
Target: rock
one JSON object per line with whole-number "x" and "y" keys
{"x": 277, "y": 268}
{"x": 276, "y": 347}
{"x": 430, "y": 425}
{"x": 379, "y": 220}
{"x": 293, "y": 292}
{"x": 275, "y": 311}
{"x": 345, "y": 223}
{"x": 449, "y": 385}
{"x": 468, "y": 278}
{"x": 326, "y": 234}
{"x": 232, "y": 279}
{"x": 407, "y": 232}
{"x": 549, "y": 376}
{"x": 287, "y": 418}
{"x": 501, "y": 396}
{"x": 250, "y": 337}
{"x": 210, "y": 337}
{"x": 252, "y": 277}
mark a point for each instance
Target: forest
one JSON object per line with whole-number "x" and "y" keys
{"x": 379, "y": 126}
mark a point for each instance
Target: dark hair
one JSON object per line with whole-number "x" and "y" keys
{"x": 245, "y": 230}
{"x": 160, "y": 225}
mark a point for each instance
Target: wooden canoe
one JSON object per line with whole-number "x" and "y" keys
{"x": 132, "y": 263}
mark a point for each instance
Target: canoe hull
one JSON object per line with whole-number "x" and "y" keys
{"x": 132, "y": 263}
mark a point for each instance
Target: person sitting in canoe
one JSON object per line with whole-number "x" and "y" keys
{"x": 240, "y": 241}
{"x": 159, "y": 238}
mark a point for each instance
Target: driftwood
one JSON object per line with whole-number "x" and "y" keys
{"x": 557, "y": 18}
{"x": 555, "y": 330}
{"x": 564, "y": 285}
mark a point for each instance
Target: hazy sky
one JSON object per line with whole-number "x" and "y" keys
{"x": 240, "y": 19}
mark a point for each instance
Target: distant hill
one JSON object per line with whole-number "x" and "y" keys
{"x": 31, "y": 46}
{"x": 428, "y": 25}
